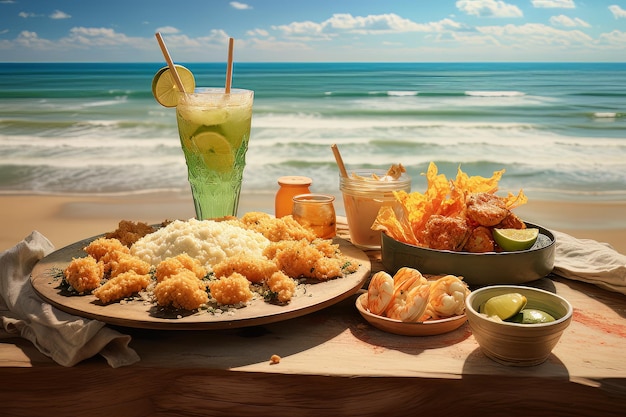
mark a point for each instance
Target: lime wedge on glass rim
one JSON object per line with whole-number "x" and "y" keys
{"x": 164, "y": 87}
{"x": 515, "y": 239}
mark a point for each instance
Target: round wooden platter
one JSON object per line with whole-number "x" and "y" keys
{"x": 311, "y": 297}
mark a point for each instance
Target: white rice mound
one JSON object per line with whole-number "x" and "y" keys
{"x": 207, "y": 241}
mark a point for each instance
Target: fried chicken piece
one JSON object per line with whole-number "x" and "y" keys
{"x": 254, "y": 269}
{"x": 282, "y": 285}
{"x": 182, "y": 290}
{"x": 84, "y": 274}
{"x": 122, "y": 286}
{"x": 119, "y": 262}
{"x": 511, "y": 222}
{"x": 480, "y": 240}
{"x": 276, "y": 229}
{"x": 301, "y": 258}
{"x": 103, "y": 246}
{"x": 233, "y": 289}
{"x": 486, "y": 209}
{"x": 179, "y": 263}
{"x": 128, "y": 232}
{"x": 445, "y": 233}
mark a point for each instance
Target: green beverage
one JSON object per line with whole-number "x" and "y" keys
{"x": 214, "y": 130}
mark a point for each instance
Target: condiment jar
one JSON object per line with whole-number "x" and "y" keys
{"x": 363, "y": 196}
{"x": 290, "y": 186}
{"x": 316, "y": 212}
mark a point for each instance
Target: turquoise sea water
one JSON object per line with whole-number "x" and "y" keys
{"x": 559, "y": 130}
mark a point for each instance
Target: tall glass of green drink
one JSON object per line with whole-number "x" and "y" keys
{"x": 214, "y": 129}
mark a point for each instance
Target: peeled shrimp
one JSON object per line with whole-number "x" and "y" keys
{"x": 409, "y": 305}
{"x": 380, "y": 292}
{"x": 447, "y": 297}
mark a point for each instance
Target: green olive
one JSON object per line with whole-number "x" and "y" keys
{"x": 532, "y": 316}
{"x": 504, "y": 306}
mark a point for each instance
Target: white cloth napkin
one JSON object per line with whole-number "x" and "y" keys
{"x": 67, "y": 339}
{"x": 590, "y": 261}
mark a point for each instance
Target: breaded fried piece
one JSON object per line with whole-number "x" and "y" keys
{"x": 254, "y": 269}
{"x": 480, "y": 240}
{"x": 102, "y": 246}
{"x": 84, "y": 274}
{"x": 445, "y": 233}
{"x": 486, "y": 209}
{"x": 125, "y": 262}
{"x": 122, "y": 286}
{"x": 179, "y": 263}
{"x": 303, "y": 259}
{"x": 282, "y": 285}
{"x": 128, "y": 232}
{"x": 233, "y": 289}
{"x": 182, "y": 290}
{"x": 276, "y": 229}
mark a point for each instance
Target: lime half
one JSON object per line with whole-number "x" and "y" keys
{"x": 164, "y": 87}
{"x": 215, "y": 150}
{"x": 515, "y": 239}
{"x": 504, "y": 306}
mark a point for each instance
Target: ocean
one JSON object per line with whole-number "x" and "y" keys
{"x": 558, "y": 129}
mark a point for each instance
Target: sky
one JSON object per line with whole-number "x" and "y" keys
{"x": 314, "y": 31}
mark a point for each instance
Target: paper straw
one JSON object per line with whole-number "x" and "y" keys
{"x": 170, "y": 63}
{"x": 342, "y": 168}
{"x": 229, "y": 65}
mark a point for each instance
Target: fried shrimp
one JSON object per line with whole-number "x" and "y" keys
{"x": 445, "y": 233}
{"x": 182, "y": 290}
{"x": 379, "y": 292}
{"x": 84, "y": 274}
{"x": 283, "y": 286}
{"x": 172, "y": 266}
{"x": 122, "y": 286}
{"x": 480, "y": 240}
{"x": 103, "y": 246}
{"x": 254, "y": 269}
{"x": 486, "y": 209}
{"x": 233, "y": 289}
{"x": 276, "y": 229}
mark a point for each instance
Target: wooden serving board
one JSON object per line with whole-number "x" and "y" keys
{"x": 138, "y": 314}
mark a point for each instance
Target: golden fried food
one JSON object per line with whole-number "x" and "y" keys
{"x": 445, "y": 233}
{"x": 301, "y": 258}
{"x": 84, "y": 274}
{"x": 103, "y": 246}
{"x": 182, "y": 290}
{"x": 179, "y": 263}
{"x": 276, "y": 229}
{"x": 125, "y": 262}
{"x": 480, "y": 240}
{"x": 511, "y": 222}
{"x": 233, "y": 289}
{"x": 128, "y": 232}
{"x": 486, "y": 209}
{"x": 282, "y": 285}
{"x": 122, "y": 286}
{"x": 254, "y": 269}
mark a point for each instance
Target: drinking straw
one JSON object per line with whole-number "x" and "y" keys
{"x": 170, "y": 63}
{"x": 229, "y": 65}
{"x": 342, "y": 168}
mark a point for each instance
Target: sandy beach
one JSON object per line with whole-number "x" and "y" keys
{"x": 67, "y": 219}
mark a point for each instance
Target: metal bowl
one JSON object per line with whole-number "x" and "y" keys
{"x": 477, "y": 269}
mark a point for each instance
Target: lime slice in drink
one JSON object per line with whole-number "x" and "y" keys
{"x": 504, "y": 306}
{"x": 215, "y": 150}
{"x": 164, "y": 87}
{"x": 515, "y": 239}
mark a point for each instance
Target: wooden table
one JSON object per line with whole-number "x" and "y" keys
{"x": 332, "y": 363}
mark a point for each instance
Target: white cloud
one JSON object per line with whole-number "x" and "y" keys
{"x": 240, "y": 6}
{"x": 488, "y": 8}
{"x": 536, "y": 34}
{"x": 167, "y": 30}
{"x": 28, "y": 39}
{"x": 26, "y": 15}
{"x": 614, "y": 38}
{"x": 58, "y": 14}
{"x": 258, "y": 32}
{"x": 617, "y": 11}
{"x": 566, "y": 21}
{"x": 554, "y": 4}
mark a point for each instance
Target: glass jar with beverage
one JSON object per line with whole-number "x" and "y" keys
{"x": 316, "y": 212}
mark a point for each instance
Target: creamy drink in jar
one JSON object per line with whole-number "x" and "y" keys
{"x": 364, "y": 192}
